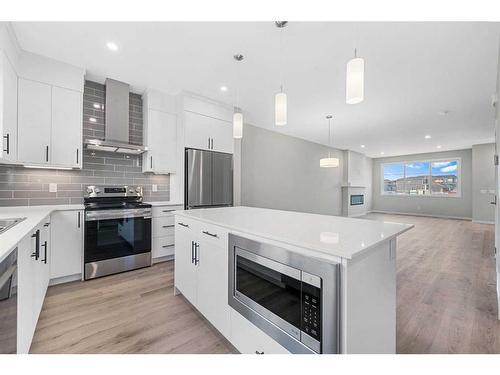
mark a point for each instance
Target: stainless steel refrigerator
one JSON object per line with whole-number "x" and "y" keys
{"x": 208, "y": 179}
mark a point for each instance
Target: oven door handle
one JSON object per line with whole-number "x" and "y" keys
{"x": 117, "y": 214}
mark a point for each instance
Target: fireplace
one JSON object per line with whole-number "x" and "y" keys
{"x": 357, "y": 199}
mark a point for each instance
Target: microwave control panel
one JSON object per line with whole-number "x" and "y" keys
{"x": 311, "y": 311}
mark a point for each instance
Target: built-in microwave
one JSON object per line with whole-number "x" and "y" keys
{"x": 291, "y": 297}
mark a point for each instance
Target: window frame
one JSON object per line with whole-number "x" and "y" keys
{"x": 430, "y": 161}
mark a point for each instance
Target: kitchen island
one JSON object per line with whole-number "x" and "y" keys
{"x": 288, "y": 282}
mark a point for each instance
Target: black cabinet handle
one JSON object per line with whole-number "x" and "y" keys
{"x": 151, "y": 162}
{"x": 209, "y": 143}
{"x": 47, "y": 153}
{"x": 77, "y": 156}
{"x": 165, "y": 246}
{"x": 212, "y": 144}
{"x": 45, "y": 248}
{"x": 79, "y": 214}
{"x": 167, "y": 226}
{"x": 168, "y": 210}
{"x": 36, "y": 236}
{"x": 192, "y": 252}
{"x": 257, "y": 352}
{"x": 184, "y": 225}
{"x": 7, "y": 138}
{"x": 210, "y": 234}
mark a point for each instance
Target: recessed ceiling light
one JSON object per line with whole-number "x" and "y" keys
{"x": 438, "y": 146}
{"x": 382, "y": 153}
{"x": 427, "y": 136}
{"x": 112, "y": 46}
{"x": 362, "y": 146}
{"x": 92, "y": 119}
{"x": 223, "y": 88}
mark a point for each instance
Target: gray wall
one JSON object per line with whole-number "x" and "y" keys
{"x": 282, "y": 172}
{"x": 483, "y": 182}
{"x": 21, "y": 186}
{"x": 438, "y": 206}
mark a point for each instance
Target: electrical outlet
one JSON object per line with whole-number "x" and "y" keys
{"x": 154, "y": 188}
{"x": 52, "y": 188}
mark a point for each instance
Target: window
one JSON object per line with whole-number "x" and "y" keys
{"x": 422, "y": 178}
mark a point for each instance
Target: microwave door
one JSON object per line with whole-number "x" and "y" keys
{"x": 199, "y": 178}
{"x": 222, "y": 179}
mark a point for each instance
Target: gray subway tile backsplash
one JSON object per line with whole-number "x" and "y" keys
{"x": 21, "y": 186}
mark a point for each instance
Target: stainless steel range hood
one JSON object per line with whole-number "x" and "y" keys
{"x": 116, "y": 129}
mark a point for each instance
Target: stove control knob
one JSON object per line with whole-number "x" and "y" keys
{"x": 97, "y": 190}
{"x": 138, "y": 189}
{"x": 89, "y": 190}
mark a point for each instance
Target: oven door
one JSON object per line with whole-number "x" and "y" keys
{"x": 271, "y": 289}
{"x": 110, "y": 235}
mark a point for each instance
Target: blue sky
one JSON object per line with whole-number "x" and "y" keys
{"x": 395, "y": 171}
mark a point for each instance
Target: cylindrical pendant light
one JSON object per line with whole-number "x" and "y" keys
{"x": 280, "y": 107}
{"x": 237, "y": 115}
{"x": 238, "y": 125}
{"x": 355, "y": 77}
{"x": 329, "y": 162}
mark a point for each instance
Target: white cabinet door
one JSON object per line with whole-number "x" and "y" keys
{"x": 67, "y": 243}
{"x": 207, "y": 133}
{"x": 25, "y": 294}
{"x": 185, "y": 269}
{"x": 34, "y": 121}
{"x": 43, "y": 266}
{"x": 212, "y": 285}
{"x": 162, "y": 141}
{"x": 197, "y": 131}
{"x": 8, "y": 110}
{"x": 66, "y": 140}
{"x": 222, "y": 136}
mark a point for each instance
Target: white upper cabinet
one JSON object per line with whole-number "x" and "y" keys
{"x": 49, "y": 125}
{"x": 66, "y": 127}
{"x": 34, "y": 122}
{"x": 208, "y": 133}
{"x": 159, "y": 133}
{"x": 8, "y": 110}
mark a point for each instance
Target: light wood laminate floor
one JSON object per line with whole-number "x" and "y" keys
{"x": 446, "y": 301}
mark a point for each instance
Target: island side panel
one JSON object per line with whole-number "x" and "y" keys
{"x": 369, "y": 301}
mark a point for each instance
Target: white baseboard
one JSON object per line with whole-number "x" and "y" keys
{"x": 422, "y": 215}
{"x": 483, "y": 221}
{"x": 65, "y": 279}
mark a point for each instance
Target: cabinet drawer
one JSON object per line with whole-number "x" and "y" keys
{"x": 163, "y": 246}
{"x": 249, "y": 339}
{"x": 163, "y": 226}
{"x": 159, "y": 211}
{"x": 186, "y": 225}
{"x": 213, "y": 234}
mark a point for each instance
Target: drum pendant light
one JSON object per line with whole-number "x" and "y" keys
{"x": 329, "y": 162}
{"x": 355, "y": 76}
{"x": 280, "y": 100}
{"x": 237, "y": 115}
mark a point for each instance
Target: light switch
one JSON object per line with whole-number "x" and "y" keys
{"x": 154, "y": 188}
{"x": 53, "y": 188}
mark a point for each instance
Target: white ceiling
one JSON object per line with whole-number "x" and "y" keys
{"x": 412, "y": 72}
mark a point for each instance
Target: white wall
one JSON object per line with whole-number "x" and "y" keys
{"x": 483, "y": 183}
{"x": 283, "y": 172}
{"x": 458, "y": 207}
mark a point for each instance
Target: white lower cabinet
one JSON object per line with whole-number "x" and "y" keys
{"x": 163, "y": 243}
{"x": 67, "y": 243}
{"x": 185, "y": 270}
{"x": 249, "y": 339}
{"x": 33, "y": 279}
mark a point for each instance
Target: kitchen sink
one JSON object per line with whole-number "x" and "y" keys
{"x": 6, "y": 224}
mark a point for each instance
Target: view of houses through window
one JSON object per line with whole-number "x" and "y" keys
{"x": 436, "y": 177}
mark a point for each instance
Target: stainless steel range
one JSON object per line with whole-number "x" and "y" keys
{"x": 117, "y": 230}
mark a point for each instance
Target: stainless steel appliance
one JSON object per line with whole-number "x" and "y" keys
{"x": 8, "y": 304}
{"x": 208, "y": 179}
{"x": 293, "y": 298}
{"x": 117, "y": 230}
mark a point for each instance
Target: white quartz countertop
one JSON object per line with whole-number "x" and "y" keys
{"x": 329, "y": 235}
{"x": 164, "y": 203}
{"x": 34, "y": 215}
